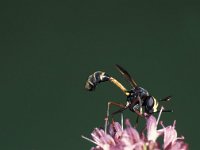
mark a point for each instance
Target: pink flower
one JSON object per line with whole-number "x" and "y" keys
{"x": 171, "y": 141}
{"x": 129, "y": 138}
{"x": 152, "y": 132}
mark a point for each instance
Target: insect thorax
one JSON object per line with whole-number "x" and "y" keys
{"x": 138, "y": 91}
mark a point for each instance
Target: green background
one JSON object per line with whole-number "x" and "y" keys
{"x": 48, "y": 49}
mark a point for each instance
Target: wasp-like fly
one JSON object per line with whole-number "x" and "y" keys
{"x": 138, "y": 99}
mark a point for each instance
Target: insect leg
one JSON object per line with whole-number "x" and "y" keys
{"x": 140, "y": 104}
{"x": 108, "y": 111}
{"x": 138, "y": 112}
{"x": 136, "y": 122}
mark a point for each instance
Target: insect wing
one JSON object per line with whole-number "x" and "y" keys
{"x": 126, "y": 75}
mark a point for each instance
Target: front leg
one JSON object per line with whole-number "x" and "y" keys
{"x": 135, "y": 109}
{"x": 136, "y": 106}
{"x": 140, "y": 105}
{"x": 138, "y": 113}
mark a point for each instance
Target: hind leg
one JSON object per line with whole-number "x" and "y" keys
{"x": 122, "y": 106}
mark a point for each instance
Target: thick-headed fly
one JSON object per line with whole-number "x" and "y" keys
{"x": 138, "y": 99}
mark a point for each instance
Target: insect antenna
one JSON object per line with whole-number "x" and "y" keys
{"x": 168, "y": 110}
{"x": 166, "y": 98}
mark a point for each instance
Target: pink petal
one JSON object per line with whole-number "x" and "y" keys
{"x": 101, "y": 138}
{"x": 115, "y": 130}
{"x": 130, "y": 136}
{"x": 170, "y": 135}
{"x": 177, "y": 145}
{"x": 152, "y": 133}
{"x": 132, "y": 132}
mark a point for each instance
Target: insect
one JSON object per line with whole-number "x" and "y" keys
{"x": 138, "y": 99}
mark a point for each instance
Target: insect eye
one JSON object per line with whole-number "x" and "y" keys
{"x": 150, "y": 102}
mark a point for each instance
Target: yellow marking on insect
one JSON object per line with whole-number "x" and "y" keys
{"x": 127, "y": 93}
{"x": 155, "y": 105}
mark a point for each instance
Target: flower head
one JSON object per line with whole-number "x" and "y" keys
{"x": 129, "y": 138}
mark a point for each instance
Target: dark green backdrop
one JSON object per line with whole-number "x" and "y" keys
{"x": 48, "y": 48}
